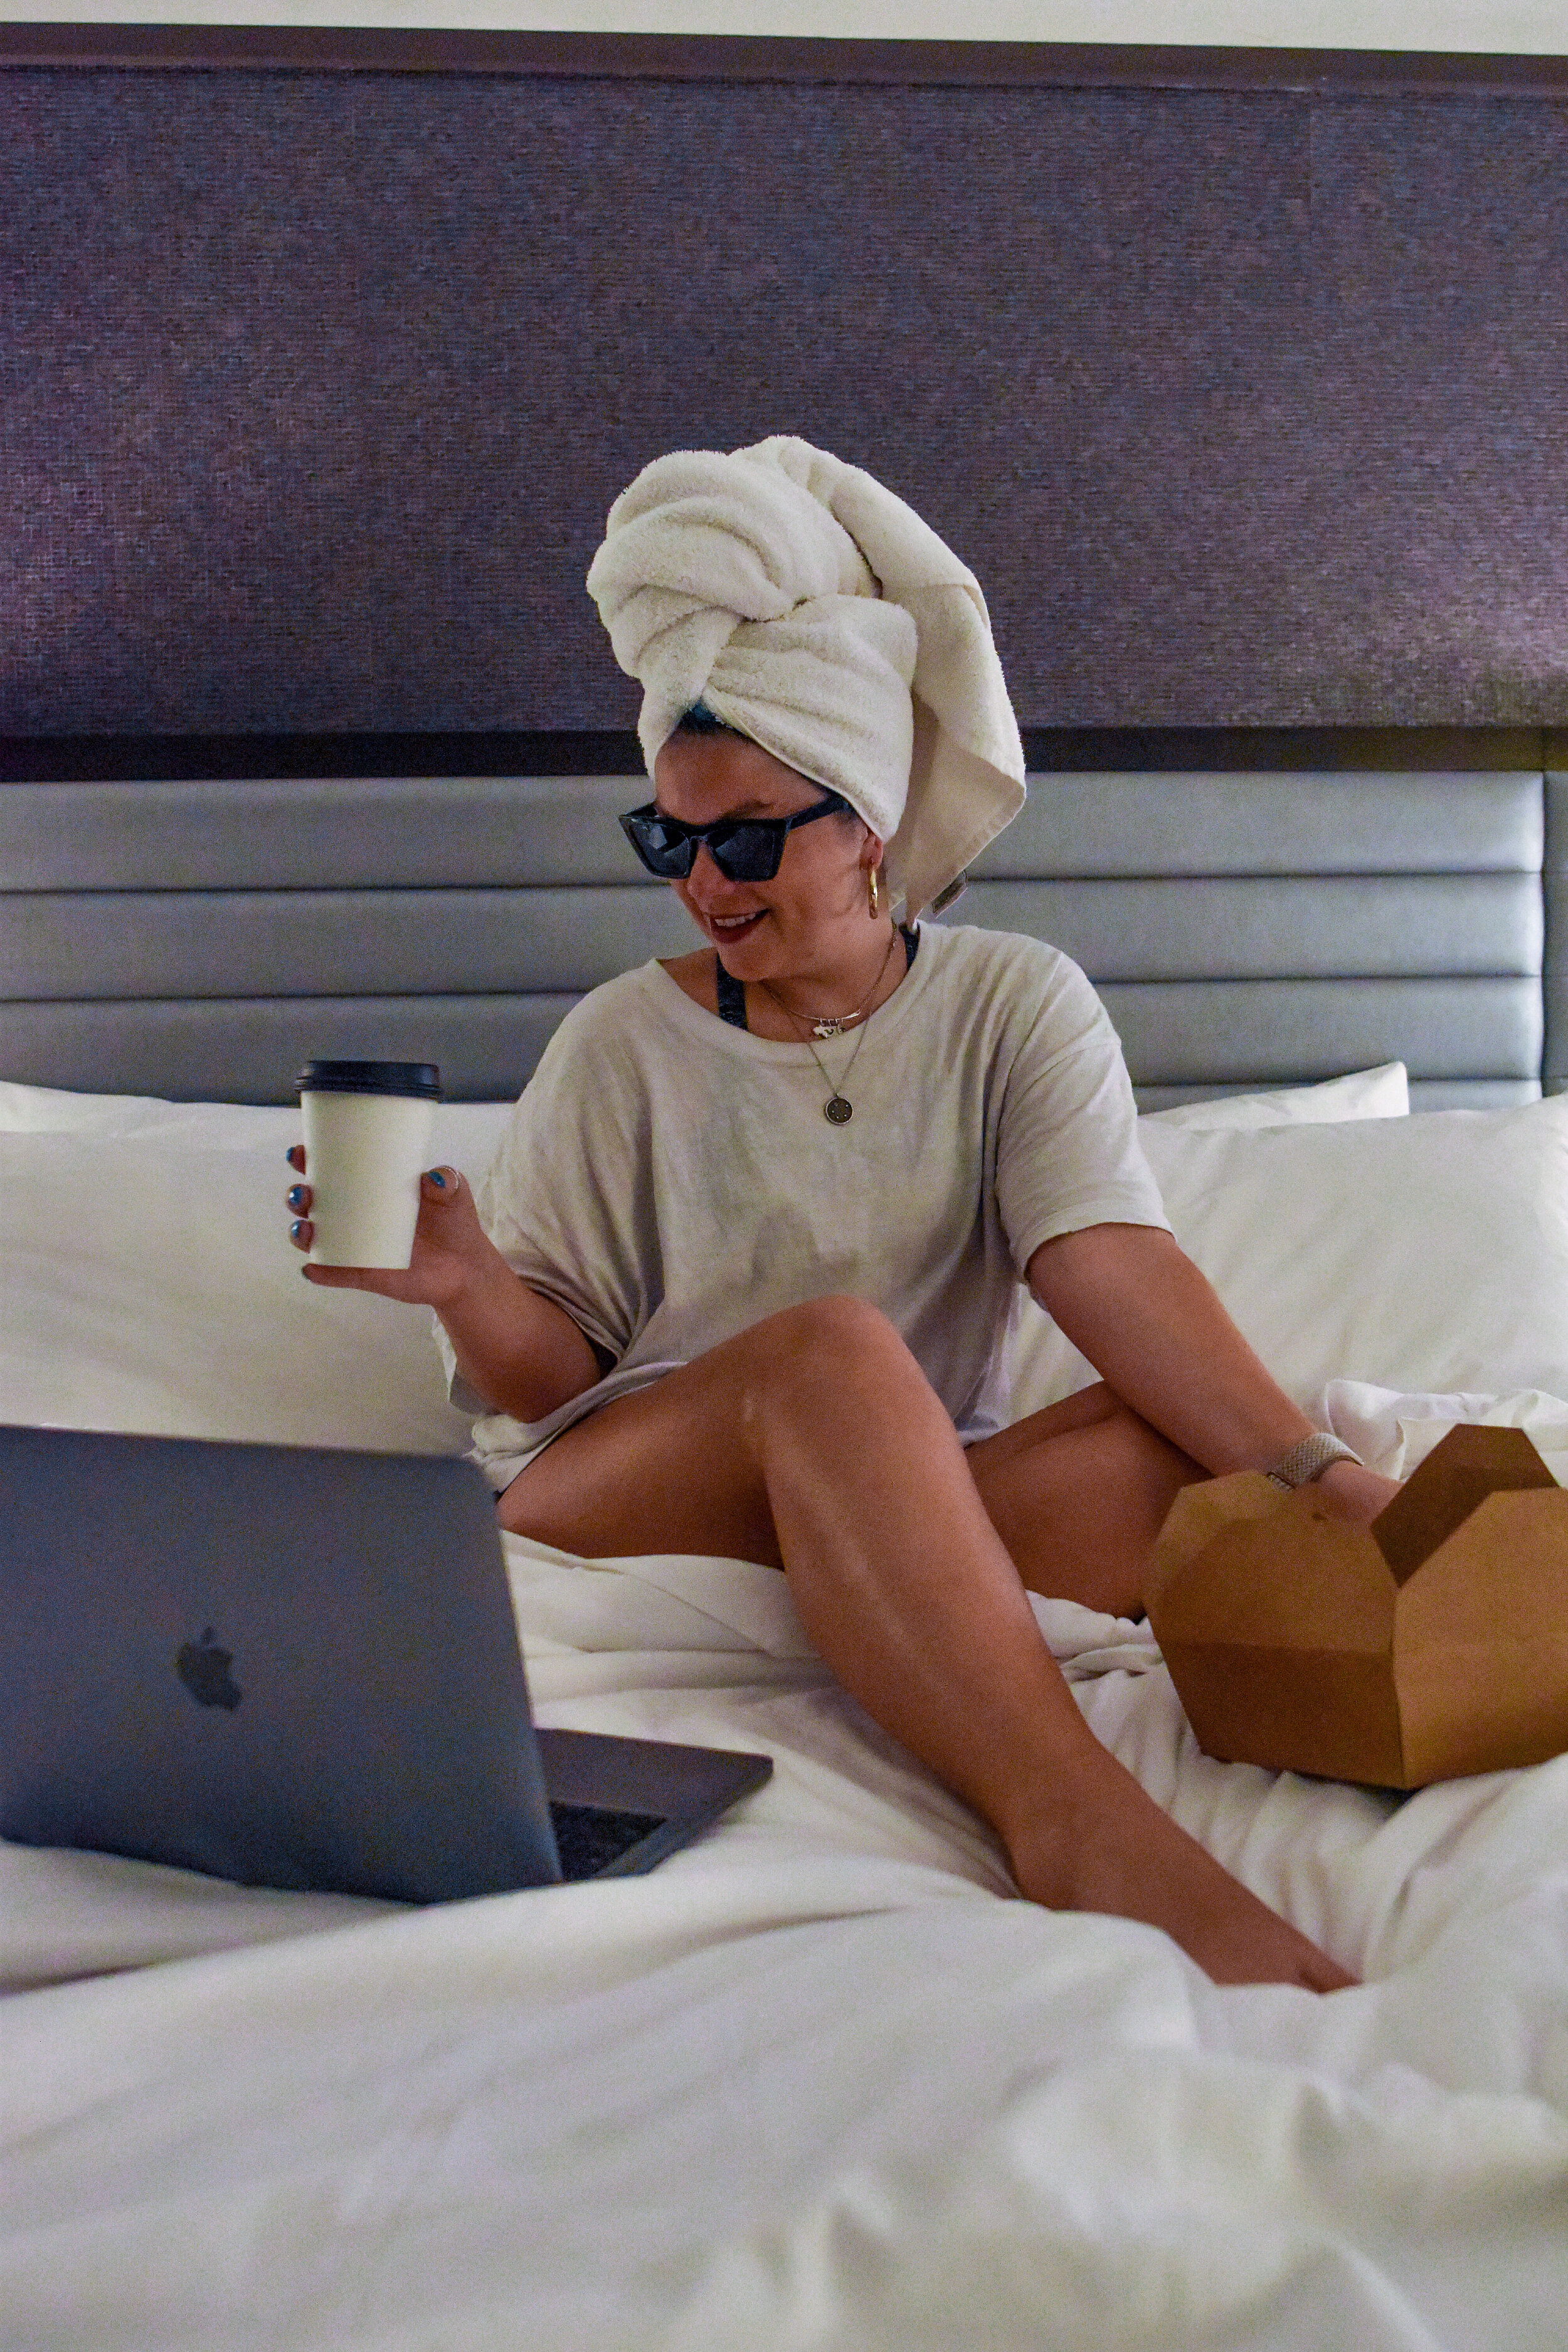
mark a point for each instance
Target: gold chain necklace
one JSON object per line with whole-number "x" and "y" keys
{"x": 837, "y": 1110}
{"x": 833, "y": 1024}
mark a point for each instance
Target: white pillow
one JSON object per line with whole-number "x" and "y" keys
{"x": 1044, "y": 1366}
{"x": 1422, "y": 1253}
{"x": 466, "y": 1133}
{"x": 149, "y": 1285}
{"x": 1381, "y": 1093}
{"x": 53, "y": 1110}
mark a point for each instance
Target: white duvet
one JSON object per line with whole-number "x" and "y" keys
{"x": 819, "y": 2080}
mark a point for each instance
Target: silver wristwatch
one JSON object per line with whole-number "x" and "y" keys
{"x": 1309, "y": 1459}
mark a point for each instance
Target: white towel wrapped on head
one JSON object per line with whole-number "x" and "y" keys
{"x": 812, "y": 609}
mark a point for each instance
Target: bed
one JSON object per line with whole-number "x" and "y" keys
{"x": 819, "y": 2080}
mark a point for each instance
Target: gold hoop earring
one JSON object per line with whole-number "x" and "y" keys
{"x": 874, "y": 890}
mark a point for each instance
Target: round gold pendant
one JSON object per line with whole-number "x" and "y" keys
{"x": 838, "y": 1111}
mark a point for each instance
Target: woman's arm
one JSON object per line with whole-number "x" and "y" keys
{"x": 1153, "y": 1328}
{"x": 521, "y": 1353}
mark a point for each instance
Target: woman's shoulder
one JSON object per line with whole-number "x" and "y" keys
{"x": 610, "y": 1027}
{"x": 588, "y": 1089}
{"x": 964, "y": 956}
{"x": 1017, "y": 1003}
{"x": 615, "y": 1008}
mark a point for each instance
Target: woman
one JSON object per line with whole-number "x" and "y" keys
{"x": 739, "y": 1280}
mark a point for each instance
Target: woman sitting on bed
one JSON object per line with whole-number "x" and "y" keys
{"x": 739, "y": 1279}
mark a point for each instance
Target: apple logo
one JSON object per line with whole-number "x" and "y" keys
{"x": 202, "y": 1666}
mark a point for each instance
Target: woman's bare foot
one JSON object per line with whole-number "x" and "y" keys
{"x": 1111, "y": 1848}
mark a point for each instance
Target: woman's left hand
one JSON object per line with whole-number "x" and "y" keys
{"x": 1355, "y": 1493}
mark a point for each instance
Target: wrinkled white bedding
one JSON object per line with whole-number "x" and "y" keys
{"x": 817, "y": 2081}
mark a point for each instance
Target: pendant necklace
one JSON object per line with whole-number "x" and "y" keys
{"x": 838, "y": 1110}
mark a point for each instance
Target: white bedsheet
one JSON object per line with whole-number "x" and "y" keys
{"x": 818, "y": 2081}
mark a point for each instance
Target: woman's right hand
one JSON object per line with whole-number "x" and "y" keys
{"x": 451, "y": 1248}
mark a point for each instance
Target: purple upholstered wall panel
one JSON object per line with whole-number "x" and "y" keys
{"x": 1247, "y": 407}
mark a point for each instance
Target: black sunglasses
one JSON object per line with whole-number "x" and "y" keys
{"x": 744, "y": 848}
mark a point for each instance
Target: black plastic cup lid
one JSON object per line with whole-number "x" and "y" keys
{"x": 421, "y": 1080}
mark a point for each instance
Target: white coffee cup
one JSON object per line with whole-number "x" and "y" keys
{"x": 368, "y": 1126}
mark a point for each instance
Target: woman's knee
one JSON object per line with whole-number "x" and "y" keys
{"x": 1128, "y": 1439}
{"x": 1093, "y": 1441}
{"x": 838, "y": 1319}
{"x": 825, "y": 1352}
{"x": 1097, "y": 1407}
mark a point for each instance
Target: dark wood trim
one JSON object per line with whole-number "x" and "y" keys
{"x": 94, "y": 759}
{"x": 702, "y": 57}
{"x": 105, "y": 759}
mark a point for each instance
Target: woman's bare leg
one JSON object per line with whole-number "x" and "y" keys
{"x": 814, "y": 1441}
{"x": 1078, "y": 1494}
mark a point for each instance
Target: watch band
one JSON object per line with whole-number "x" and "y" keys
{"x": 1309, "y": 1459}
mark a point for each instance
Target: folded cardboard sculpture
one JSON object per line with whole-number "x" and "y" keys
{"x": 1432, "y": 1644}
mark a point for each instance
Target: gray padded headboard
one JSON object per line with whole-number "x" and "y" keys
{"x": 199, "y": 939}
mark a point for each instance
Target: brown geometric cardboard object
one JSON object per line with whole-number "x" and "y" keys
{"x": 1432, "y": 1644}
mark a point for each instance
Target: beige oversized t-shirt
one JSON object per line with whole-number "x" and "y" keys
{"x": 669, "y": 1179}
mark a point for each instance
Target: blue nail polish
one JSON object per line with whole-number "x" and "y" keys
{"x": 295, "y": 1196}
{"x": 295, "y": 1229}
{"x": 437, "y": 1178}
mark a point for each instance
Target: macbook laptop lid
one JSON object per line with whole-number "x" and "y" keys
{"x": 298, "y": 1668}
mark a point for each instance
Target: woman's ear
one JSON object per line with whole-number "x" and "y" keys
{"x": 871, "y": 867}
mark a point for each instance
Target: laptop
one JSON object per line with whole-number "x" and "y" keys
{"x": 300, "y": 1668}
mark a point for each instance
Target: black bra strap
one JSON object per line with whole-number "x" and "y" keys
{"x": 732, "y": 997}
{"x": 731, "y": 992}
